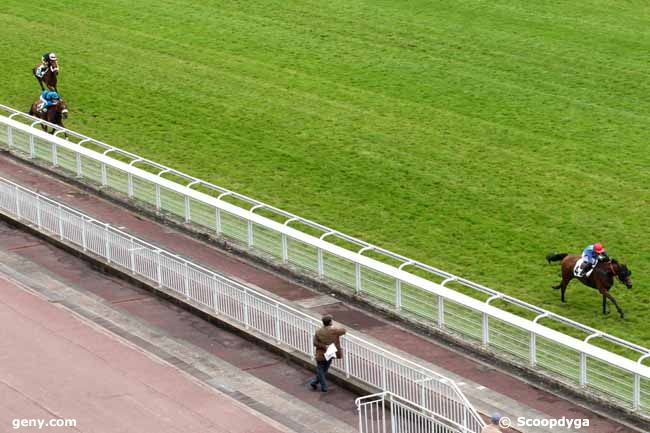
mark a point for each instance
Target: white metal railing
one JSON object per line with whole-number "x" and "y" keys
{"x": 220, "y": 295}
{"x": 577, "y": 362}
{"x": 388, "y": 413}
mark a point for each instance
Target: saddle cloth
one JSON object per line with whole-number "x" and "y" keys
{"x": 576, "y": 269}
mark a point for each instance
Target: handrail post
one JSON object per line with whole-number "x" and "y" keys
{"x": 346, "y": 357}
{"x": 17, "y": 202}
{"x": 132, "y": 256}
{"x": 38, "y": 212}
{"x": 10, "y": 137}
{"x": 60, "y": 222}
{"x": 186, "y": 280}
{"x": 215, "y": 293}
{"x": 159, "y": 269}
{"x": 246, "y": 319}
{"x": 278, "y": 338}
{"x": 83, "y": 234}
{"x": 250, "y": 233}
{"x": 108, "y": 244}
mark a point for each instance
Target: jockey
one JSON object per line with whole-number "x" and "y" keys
{"x": 46, "y": 61}
{"x": 48, "y": 98}
{"x": 590, "y": 258}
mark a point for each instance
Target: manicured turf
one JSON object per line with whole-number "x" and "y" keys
{"x": 473, "y": 136}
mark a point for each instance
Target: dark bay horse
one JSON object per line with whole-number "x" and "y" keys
{"x": 50, "y": 76}
{"x": 55, "y": 114}
{"x": 601, "y": 279}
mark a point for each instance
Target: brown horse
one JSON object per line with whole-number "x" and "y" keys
{"x": 601, "y": 279}
{"x": 55, "y": 114}
{"x": 50, "y": 76}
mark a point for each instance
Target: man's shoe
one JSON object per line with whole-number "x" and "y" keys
{"x": 313, "y": 386}
{"x": 323, "y": 390}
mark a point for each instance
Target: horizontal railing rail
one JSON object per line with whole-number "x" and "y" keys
{"x": 221, "y": 295}
{"x": 552, "y": 353}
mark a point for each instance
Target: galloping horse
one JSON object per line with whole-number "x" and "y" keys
{"x": 50, "y": 76}
{"x": 55, "y": 114}
{"x": 601, "y": 278}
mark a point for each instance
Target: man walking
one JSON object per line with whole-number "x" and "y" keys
{"x": 493, "y": 427}
{"x": 325, "y": 337}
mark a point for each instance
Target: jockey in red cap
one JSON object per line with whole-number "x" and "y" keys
{"x": 590, "y": 258}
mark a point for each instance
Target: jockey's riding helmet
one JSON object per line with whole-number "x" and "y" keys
{"x": 598, "y": 247}
{"x": 52, "y": 56}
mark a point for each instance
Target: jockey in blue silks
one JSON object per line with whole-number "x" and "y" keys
{"x": 46, "y": 61}
{"x": 590, "y": 257}
{"x": 48, "y": 99}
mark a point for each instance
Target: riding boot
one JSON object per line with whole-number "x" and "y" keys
{"x": 584, "y": 268}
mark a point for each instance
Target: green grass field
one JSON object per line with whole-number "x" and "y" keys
{"x": 473, "y": 136}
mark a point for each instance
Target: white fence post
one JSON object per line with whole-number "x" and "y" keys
{"x": 532, "y": 353}
{"x": 357, "y": 278}
{"x": 78, "y": 161}
{"x": 158, "y": 199}
{"x": 636, "y": 402}
{"x": 250, "y": 233}
{"x": 583, "y": 369}
{"x": 441, "y": 311}
{"x": 285, "y": 249}
{"x": 10, "y": 137}
{"x": 188, "y": 215}
{"x": 319, "y": 260}
{"x": 129, "y": 185}
{"x": 104, "y": 174}
{"x": 55, "y": 157}
{"x": 217, "y": 220}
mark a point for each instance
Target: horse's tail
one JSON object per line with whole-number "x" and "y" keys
{"x": 555, "y": 257}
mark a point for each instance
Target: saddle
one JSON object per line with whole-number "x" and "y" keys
{"x": 578, "y": 269}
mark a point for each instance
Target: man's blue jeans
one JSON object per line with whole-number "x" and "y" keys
{"x": 321, "y": 369}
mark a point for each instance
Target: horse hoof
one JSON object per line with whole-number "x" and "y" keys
{"x": 555, "y": 287}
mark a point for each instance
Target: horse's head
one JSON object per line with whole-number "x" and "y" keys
{"x": 54, "y": 67}
{"x": 63, "y": 108}
{"x": 622, "y": 272}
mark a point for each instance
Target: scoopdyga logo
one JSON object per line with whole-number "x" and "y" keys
{"x": 550, "y": 423}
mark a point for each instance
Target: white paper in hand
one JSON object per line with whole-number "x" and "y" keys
{"x": 331, "y": 352}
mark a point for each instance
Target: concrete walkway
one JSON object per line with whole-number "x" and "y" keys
{"x": 488, "y": 389}
{"x": 54, "y": 365}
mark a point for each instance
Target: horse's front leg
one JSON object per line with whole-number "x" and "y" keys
{"x": 613, "y": 299}
{"x": 604, "y": 304}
